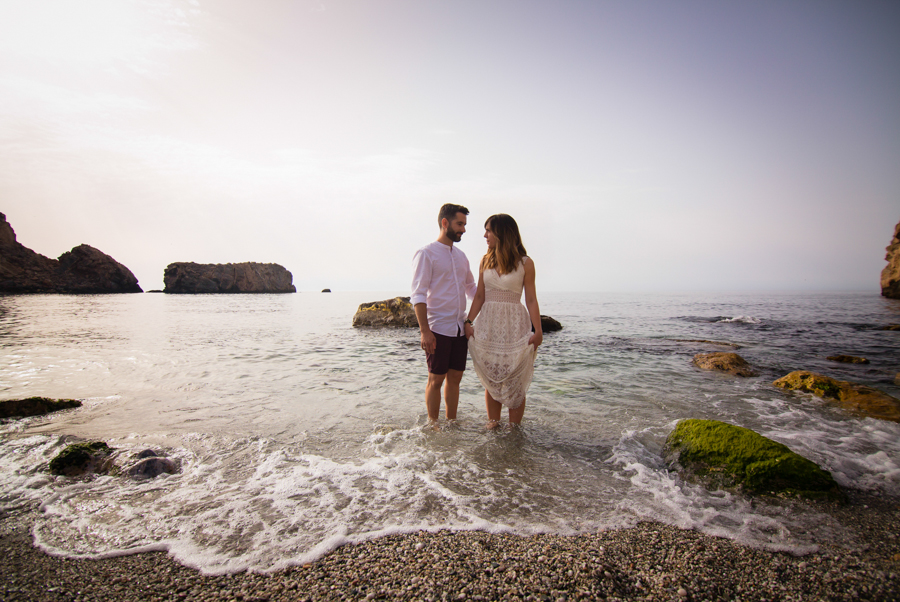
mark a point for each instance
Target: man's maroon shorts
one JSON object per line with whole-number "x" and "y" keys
{"x": 450, "y": 353}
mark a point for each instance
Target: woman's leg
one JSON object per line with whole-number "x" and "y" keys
{"x": 493, "y": 409}
{"x": 515, "y": 414}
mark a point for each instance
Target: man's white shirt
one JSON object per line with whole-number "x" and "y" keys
{"x": 442, "y": 280}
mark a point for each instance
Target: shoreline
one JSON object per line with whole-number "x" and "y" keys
{"x": 650, "y": 561}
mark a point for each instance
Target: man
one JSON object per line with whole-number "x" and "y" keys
{"x": 441, "y": 282}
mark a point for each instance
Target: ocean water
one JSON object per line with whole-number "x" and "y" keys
{"x": 296, "y": 433}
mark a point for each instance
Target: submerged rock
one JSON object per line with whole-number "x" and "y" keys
{"x": 548, "y": 324}
{"x": 707, "y": 342}
{"x": 396, "y": 312}
{"x": 847, "y": 359}
{"x": 890, "y": 275}
{"x": 859, "y": 399}
{"x": 151, "y": 466}
{"x": 83, "y": 270}
{"x": 81, "y": 458}
{"x": 731, "y": 363}
{"x": 729, "y": 456}
{"x": 35, "y": 406}
{"x": 187, "y": 278}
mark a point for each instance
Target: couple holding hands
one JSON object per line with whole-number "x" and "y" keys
{"x": 502, "y": 334}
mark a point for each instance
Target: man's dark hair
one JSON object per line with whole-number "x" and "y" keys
{"x": 449, "y": 211}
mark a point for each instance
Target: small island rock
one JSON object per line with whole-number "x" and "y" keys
{"x": 83, "y": 270}
{"x": 396, "y": 312}
{"x": 548, "y": 324}
{"x": 890, "y": 275}
{"x": 859, "y": 399}
{"x": 731, "y": 363}
{"x": 188, "y": 278}
{"x": 729, "y": 456}
{"x": 35, "y": 406}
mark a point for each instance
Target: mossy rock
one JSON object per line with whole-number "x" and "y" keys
{"x": 731, "y": 363}
{"x": 80, "y": 458}
{"x": 729, "y": 456}
{"x": 859, "y": 399}
{"x": 35, "y": 406}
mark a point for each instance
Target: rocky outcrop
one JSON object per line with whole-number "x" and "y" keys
{"x": 858, "y": 399}
{"x": 731, "y": 363}
{"x": 397, "y": 312}
{"x": 35, "y": 406}
{"x": 83, "y": 270}
{"x": 248, "y": 277}
{"x": 728, "y": 456}
{"x": 890, "y": 275}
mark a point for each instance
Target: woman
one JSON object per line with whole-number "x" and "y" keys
{"x": 501, "y": 341}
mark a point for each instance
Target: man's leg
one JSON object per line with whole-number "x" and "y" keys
{"x": 433, "y": 396}
{"x": 451, "y": 392}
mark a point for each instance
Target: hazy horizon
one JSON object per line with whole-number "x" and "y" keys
{"x": 641, "y": 146}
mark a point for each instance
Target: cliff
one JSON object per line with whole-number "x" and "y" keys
{"x": 890, "y": 275}
{"x": 249, "y": 277}
{"x": 83, "y": 270}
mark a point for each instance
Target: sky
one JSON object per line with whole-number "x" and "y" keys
{"x": 641, "y": 146}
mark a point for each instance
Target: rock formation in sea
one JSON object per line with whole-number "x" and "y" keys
{"x": 847, "y": 359}
{"x": 83, "y": 270}
{"x": 400, "y": 312}
{"x": 890, "y": 275}
{"x": 731, "y": 363}
{"x": 35, "y": 406}
{"x": 390, "y": 312}
{"x": 248, "y": 277}
{"x": 724, "y": 455}
{"x": 82, "y": 458}
{"x": 858, "y": 399}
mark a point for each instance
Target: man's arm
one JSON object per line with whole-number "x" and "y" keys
{"x": 428, "y": 341}
{"x": 420, "y": 284}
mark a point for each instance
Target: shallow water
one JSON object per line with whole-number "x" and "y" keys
{"x": 296, "y": 432}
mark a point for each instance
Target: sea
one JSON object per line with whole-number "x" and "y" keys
{"x": 295, "y": 433}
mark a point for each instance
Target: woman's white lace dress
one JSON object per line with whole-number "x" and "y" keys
{"x": 503, "y": 359}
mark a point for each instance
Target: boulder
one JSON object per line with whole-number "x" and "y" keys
{"x": 729, "y": 456}
{"x": 397, "y": 312}
{"x": 149, "y": 467}
{"x": 81, "y": 458}
{"x": 83, "y": 270}
{"x": 548, "y": 324}
{"x": 326, "y": 290}
{"x": 858, "y": 399}
{"x": 248, "y": 277}
{"x": 35, "y": 406}
{"x": 731, "y": 363}
{"x": 847, "y": 359}
{"x": 890, "y": 275}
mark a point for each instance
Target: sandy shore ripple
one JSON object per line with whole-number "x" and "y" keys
{"x": 648, "y": 562}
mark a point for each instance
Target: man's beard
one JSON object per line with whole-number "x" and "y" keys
{"x": 453, "y": 234}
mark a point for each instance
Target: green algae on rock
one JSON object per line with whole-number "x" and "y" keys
{"x": 730, "y": 456}
{"x": 35, "y": 406}
{"x": 390, "y": 312}
{"x": 731, "y": 363}
{"x": 79, "y": 458}
{"x": 859, "y": 399}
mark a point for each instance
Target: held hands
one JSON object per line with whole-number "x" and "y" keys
{"x": 536, "y": 339}
{"x": 469, "y": 331}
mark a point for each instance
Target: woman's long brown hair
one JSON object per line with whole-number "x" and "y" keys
{"x": 509, "y": 250}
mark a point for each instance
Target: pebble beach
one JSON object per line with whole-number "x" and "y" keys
{"x": 650, "y": 561}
